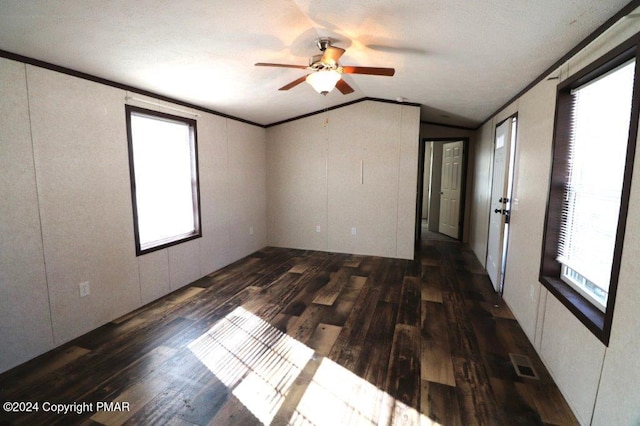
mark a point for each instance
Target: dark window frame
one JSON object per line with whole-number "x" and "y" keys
{"x": 598, "y": 322}
{"x": 129, "y": 109}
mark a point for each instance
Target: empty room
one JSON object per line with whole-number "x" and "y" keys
{"x": 290, "y": 212}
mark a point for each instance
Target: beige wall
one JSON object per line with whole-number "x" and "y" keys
{"x": 434, "y": 132}
{"x": 352, "y": 167}
{"x": 599, "y": 382}
{"x": 66, "y": 214}
{"x": 25, "y": 318}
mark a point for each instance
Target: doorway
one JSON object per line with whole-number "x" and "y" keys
{"x": 441, "y": 188}
{"x": 500, "y": 205}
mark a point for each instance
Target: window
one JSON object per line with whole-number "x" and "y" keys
{"x": 164, "y": 178}
{"x": 601, "y": 111}
{"x": 594, "y": 146}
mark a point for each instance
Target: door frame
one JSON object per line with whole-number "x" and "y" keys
{"x": 420, "y": 189}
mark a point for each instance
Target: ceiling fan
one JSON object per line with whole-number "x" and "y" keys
{"x": 326, "y": 72}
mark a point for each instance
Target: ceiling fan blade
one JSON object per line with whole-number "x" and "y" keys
{"x": 397, "y": 49}
{"x": 332, "y": 54}
{"x": 369, "y": 70}
{"x": 294, "y": 83}
{"x": 266, "y": 64}
{"x": 343, "y": 87}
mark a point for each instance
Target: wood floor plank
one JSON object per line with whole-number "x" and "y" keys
{"x": 373, "y": 365}
{"x": 392, "y": 282}
{"x": 338, "y": 313}
{"x": 511, "y": 404}
{"x": 436, "y": 364}
{"x": 323, "y": 338}
{"x": 551, "y": 407}
{"x": 367, "y": 265}
{"x": 470, "y": 262}
{"x": 305, "y": 325}
{"x": 349, "y": 344}
{"x": 409, "y": 306}
{"x": 236, "y": 271}
{"x": 499, "y": 310}
{"x": 439, "y": 404}
{"x": 298, "y": 269}
{"x": 329, "y": 293}
{"x": 105, "y": 364}
{"x": 43, "y": 366}
{"x": 283, "y": 322}
{"x": 313, "y": 280}
{"x": 148, "y": 366}
{"x": 205, "y": 404}
{"x": 234, "y": 413}
{"x": 484, "y": 327}
{"x": 210, "y": 313}
{"x": 431, "y": 284}
{"x": 413, "y": 268}
{"x": 165, "y": 406}
{"x": 137, "y": 396}
{"x": 353, "y": 261}
{"x": 352, "y": 289}
{"x": 305, "y": 297}
{"x": 429, "y": 255}
{"x": 477, "y": 401}
{"x": 403, "y": 377}
{"x": 298, "y": 290}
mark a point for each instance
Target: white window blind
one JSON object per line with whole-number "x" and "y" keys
{"x": 598, "y": 145}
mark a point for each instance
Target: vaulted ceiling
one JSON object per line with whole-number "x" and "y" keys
{"x": 460, "y": 60}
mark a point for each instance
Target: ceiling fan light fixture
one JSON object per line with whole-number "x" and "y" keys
{"x": 323, "y": 81}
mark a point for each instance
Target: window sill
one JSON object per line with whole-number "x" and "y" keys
{"x": 159, "y": 245}
{"x": 588, "y": 314}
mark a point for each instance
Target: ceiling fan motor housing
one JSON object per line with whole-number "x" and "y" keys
{"x": 316, "y": 64}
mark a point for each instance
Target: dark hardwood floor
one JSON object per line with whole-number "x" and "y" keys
{"x": 305, "y": 338}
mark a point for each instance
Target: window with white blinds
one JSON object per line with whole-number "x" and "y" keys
{"x": 601, "y": 113}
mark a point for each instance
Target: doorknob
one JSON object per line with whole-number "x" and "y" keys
{"x": 505, "y": 212}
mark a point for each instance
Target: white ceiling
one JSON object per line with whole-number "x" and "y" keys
{"x": 461, "y": 60}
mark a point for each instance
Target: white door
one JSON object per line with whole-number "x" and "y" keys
{"x": 450, "y": 189}
{"x": 499, "y": 202}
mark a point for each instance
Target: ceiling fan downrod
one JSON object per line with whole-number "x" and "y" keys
{"x": 323, "y": 43}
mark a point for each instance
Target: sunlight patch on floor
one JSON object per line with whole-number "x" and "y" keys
{"x": 259, "y": 364}
{"x": 336, "y": 396}
{"x": 256, "y": 361}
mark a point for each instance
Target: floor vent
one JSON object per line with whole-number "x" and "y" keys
{"x": 523, "y": 367}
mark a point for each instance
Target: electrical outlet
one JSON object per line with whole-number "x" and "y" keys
{"x": 317, "y": 228}
{"x": 353, "y": 231}
{"x": 251, "y": 230}
{"x": 84, "y": 289}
